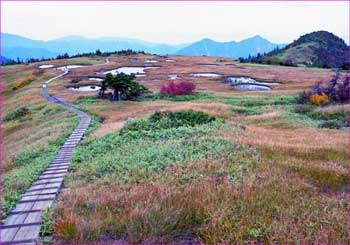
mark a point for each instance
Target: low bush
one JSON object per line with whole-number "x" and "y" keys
{"x": 248, "y": 111}
{"x": 332, "y": 119}
{"x": 188, "y": 97}
{"x": 166, "y": 119}
{"x": 330, "y": 115}
{"x": 319, "y": 99}
{"x": 23, "y": 82}
{"x": 303, "y": 97}
{"x": 16, "y": 114}
{"x": 332, "y": 124}
{"x": 303, "y": 109}
{"x": 174, "y": 89}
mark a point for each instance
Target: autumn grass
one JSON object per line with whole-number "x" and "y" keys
{"x": 32, "y": 132}
{"x": 263, "y": 174}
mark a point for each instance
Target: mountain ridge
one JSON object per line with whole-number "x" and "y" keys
{"x": 75, "y": 44}
{"x": 244, "y": 48}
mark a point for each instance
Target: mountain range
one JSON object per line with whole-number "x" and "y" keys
{"x": 15, "y": 46}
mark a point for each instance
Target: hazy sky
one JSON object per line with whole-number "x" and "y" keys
{"x": 175, "y": 22}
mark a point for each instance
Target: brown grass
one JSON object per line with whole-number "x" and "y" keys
{"x": 298, "y": 191}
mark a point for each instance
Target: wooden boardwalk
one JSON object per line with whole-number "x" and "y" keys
{"x": 23, "y": 223}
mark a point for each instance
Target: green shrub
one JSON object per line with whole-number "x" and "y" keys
{"x": 166, "y": 119}
{"x": 181, "y": 118}
{"x": 303, "y": 109}
{"x": 46, "y": 229}
{"x": 333, "y": 124}
{"x": 16, "y": 114}
{"x": 330, "y": 115}
{"x": 303, "y": 97}
{"x": 248, "y": 110}
{"x": 132, "y": 155}
{"x": 188, "y": 97}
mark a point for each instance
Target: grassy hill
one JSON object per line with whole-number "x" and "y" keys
{"x": 318, "y": 49}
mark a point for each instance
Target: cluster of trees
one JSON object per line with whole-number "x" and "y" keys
{"x": 66, "y": 56}
{"x": 124, "y": 87}
{"x": 252, "y": 58}
{"x": 268, "y": 58}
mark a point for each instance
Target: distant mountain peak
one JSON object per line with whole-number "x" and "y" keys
{"x": 232, "y": 49}
{"x": 206, "y": 39}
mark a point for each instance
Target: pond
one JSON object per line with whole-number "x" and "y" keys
{"x": 170, "y": 60}
{"x": 172, "y": 76}
{"x": 88, "y": 88}
{"x": 247, "y": 83}
{"x": 208, "y": 65}
{"x": 68, "y": 67}
{"x": 251, "y": 87}
{"x": 98, "y": 79}
{"x": 205, "y": 75}
{"x": 240, "y": 80}
{"x": 151, "y": 61}
{"x": 128, "y": 70}
{"x": 46, "y": 66}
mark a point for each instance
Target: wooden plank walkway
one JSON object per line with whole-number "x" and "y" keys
{"x": 22, "y": 226}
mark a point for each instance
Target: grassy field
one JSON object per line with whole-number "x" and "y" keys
{"x": 261, "y": 173}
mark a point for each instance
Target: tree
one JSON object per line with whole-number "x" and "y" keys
{"x": 98, "y": 52}
{"x": 104, "y": 84}
{"x": 124, "y": 86}
{"x": 116, "y": 84}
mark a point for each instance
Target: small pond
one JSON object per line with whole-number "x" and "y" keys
{"x": 88, "y": 88}
{"x": 247, "y": 83}
{"x": 151, "y": 61}
{"x": 251, "y": 87}
{"x": 68, "y": 67}
{"x": 208, "y": 65}
{"x": 172, "y": 76}
{"x": 98, "y": 79}
{"x": 46, "y": 66}
{"x": 240, "y": 80}
{"x": 170, "y": 60}
{"x": 128, "y": 70}
{"x": 205, "y": 75}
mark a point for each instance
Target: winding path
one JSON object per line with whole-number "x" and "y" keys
{"x": 22, "y": 226}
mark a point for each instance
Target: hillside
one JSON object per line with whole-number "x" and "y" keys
{"x": 319, "y": 49}
{"x": 244, "y": 48}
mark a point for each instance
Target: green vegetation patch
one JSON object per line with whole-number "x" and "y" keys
{"x": 189, "y": 97}
{"x": 29, "y": 165}
{"x": 16, "y": 114}
{"x": 152, "y": 145}
{"x": 335, "y": 119}
{"x": 165, "y": 120}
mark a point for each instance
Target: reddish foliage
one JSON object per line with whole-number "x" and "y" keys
{"x": 173, "y": 89}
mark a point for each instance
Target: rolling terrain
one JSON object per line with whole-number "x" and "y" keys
{"x": 261, "y": 173}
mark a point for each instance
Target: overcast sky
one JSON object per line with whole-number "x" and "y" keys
{"x": 175, "y": 22}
